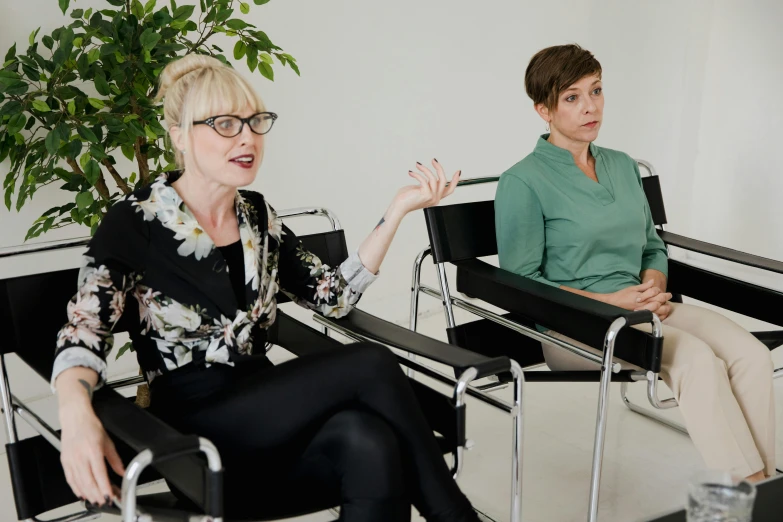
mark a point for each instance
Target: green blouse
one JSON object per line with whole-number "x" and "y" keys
{"x": 559, "y": 227}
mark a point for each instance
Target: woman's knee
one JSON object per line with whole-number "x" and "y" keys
{"x": 756, "y": 359}
{"x": 373, "y": 358}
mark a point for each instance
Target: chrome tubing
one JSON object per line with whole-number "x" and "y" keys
{"x": 647, "y": 413}
{"x": 447, "y": 299}
{"x": 464, "y": 380}
{"x": 36, "y": 422}
{"x": 600, "y": 425}
{"x": 44, "y": 246}
{"x": 648, "y": 166}
{"x": 517, "y": 448}
{"x": 312, "y": 211}
{"x": 136, "y": 380}
{"x": 75, "y": 517}
{"x": 143, "y": 460}
{"x": 414, "y": 312}
{"x": 5, "y": 403}
{"x": 529, "y": 332}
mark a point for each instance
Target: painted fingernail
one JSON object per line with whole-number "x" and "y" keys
{"x": 106, "y": 497}
{"x": 417, "y": 163}
{"x": 436, "y": 160}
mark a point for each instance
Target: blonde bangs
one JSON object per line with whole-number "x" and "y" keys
{"x": 197, "y": 87}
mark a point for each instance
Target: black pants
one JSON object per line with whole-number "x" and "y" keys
{"x": 342, "y": 427}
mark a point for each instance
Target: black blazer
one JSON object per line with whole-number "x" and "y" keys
{"x": 149, "y": 246}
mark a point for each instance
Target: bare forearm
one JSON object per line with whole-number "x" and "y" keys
{"x": 659, "y": 280}
{"x": 592, "y": 295}
{"x": 374, "y": 248}
{"x": 74, "y": 388}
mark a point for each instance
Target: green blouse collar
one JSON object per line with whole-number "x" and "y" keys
{"x": 555, "y": 153}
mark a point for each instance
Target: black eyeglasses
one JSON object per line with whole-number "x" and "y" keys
{"x": 228, "y": 125}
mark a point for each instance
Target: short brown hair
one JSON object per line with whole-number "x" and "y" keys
{"x": 555, "y": 69}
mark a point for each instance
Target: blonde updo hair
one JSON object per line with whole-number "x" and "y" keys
{"x": 196, "y": 87}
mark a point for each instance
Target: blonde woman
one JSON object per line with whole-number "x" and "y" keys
{"x": 205, "y": 260}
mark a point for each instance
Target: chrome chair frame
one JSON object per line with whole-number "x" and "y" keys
{"x": 460, "y": 386}
{"x": 608, "y": 365}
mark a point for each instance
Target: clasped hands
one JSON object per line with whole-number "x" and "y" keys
{"x": 646, "y": 296}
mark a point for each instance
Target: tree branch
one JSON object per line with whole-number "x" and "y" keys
{"x": 116, "y": 175}
{"x": 100, "y": 185}
{"x": 142, "y": 161}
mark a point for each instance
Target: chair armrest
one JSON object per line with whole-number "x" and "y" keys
{"x": 387, "y": 333}
{"x": 140, "y": 430}
{"x": 576, "y": 316}
{"x": 720, "y": 252}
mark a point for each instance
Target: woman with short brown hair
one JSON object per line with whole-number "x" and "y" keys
{"x": 573, "y": 215}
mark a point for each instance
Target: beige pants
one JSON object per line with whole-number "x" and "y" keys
{"x": 721, "y": 377}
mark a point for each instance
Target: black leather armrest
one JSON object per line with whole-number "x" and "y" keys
{"x": 391, "y": 334}
{"x": 141, "y": 430}
{"x": 578, "y": 317}
{"x": 720, "y": 252}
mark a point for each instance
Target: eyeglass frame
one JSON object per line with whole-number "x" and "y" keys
{"x": 210, "y": 122}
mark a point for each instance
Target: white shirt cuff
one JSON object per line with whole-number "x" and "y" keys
{"x": 78, "y": 356}
{"x": 356, "y": 275}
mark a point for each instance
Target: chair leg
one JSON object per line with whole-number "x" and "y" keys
{"x": 649, "y": 413}
{"x": 5, "y": 403}
{"x": 415, "y": 291}
{"x": 600, "y": 425}
{"x": 517, "y": 415}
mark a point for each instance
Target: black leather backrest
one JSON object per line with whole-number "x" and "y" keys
{"x": 652, "y": 189}
{"x": 464, "y": 231}
{"x": 330, "y": 247}
{"x": 34, "y": 310}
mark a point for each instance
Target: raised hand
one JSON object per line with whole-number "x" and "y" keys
{"x": 431, "y": 189}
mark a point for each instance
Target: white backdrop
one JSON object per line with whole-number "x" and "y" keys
{"x": 690, "y": 86}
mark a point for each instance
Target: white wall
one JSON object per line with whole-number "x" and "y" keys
{"x": 690, "y": 86}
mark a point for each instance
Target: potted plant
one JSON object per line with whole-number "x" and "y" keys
{"x": 79, "y": 98}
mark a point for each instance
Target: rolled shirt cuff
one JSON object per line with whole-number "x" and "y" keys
{"x": 356, "y": 274}
{"x": 78, "y": 356}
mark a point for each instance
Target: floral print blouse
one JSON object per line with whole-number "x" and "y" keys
{"x": 150, "y": 248}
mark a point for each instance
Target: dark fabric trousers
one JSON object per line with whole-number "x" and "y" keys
{"x": 339, "y": 428}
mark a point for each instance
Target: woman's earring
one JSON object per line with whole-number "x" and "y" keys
{"x": 547, "y": 126}
{"x": 183, "y": 151}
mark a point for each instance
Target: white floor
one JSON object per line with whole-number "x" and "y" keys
{"x": 646, "y": 465}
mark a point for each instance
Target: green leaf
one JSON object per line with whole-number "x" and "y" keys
{"x": 183, "y": 12}
{"x": 108, "y": 49}
{"x": 252, "y": 58}
{"x": 236, "y": 24}
{"x": 149, "y": 6}
{"x": 223, "y": 15}
{"x": 11, "y": 54}
{"x": 93, "y": 56}
{"x": 48, "y": 42}
{"x": 64, "y": 5}
{"x": 125, "y": 347}
{"x": 127, "y": 151}
{"x": 245, "y": 8}
{"x": 41, "y": 106}
{"x": 77, "y": 13}
{"x": 266, "y": 58}
{"x": 132, "y": 177}
{"x": 52, "y": 142}
{"x": 33, "y": 35}
{"x": 266, "y": 71}
{"x": 97, "y": 152}
{"x": 31, "y": 73}
{"x": 74, "y": 149}
{"x": 84, "y": 200}
{"x": 240, "y": 48}
{"x": 260, "y": 2}
{"x": 101, "y": 85}
{"x": 87, "y": 134}
{"x": 16, "y": 123}
{"x": 98, "y": 104}
{"x": 78, "y": 41}
{"x": 150, "y": 133}
{"x": 88, "y": 14}
{"x": 92, "y": 171}
{"x": 72, "y": 107}
{"x": 137, "y": 9}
